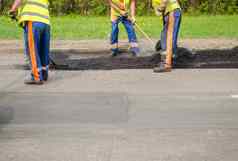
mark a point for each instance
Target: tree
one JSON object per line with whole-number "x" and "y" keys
{"x": 1, "y": 6}
{"x": 194, "y": 3}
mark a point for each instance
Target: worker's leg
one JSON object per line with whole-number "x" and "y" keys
{"x": 169, "y": 39}
{"x": 131, "y": 36}
{"x": 163, "y": 36}
{"x": 32, "y": 39}
{"x": 114, "y": 36}
{"x": 169, "y": 42}
{"x": 27, "y": 55}
{"x": 177, "y": 22}
{"x": 45, "y": 50}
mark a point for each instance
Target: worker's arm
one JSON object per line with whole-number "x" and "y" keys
{"x": 15, "y": 6}
{"x": 132, "y": 18}
{"x": 133, "y": 8}
{"x": 13, "y": 11}
{"x": 163, "y": 5}
{"x": 117, "y": 8}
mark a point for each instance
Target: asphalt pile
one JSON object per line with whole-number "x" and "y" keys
{"x": 225, "y": 58}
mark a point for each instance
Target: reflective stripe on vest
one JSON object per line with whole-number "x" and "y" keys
{"x": 36, "y": 11}
{"x": 37, "y": 4}
{"x": 34, "y": 14}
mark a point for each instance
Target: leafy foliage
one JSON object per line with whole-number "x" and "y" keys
{"x": 100, "y": 7}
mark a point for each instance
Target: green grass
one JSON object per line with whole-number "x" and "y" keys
{"x": 76, "y": 27}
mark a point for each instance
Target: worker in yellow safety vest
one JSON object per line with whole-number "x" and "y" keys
{"x": 123, "y": 11}
{"x": 33, "y": 16}
{"x": 170, "y": 11}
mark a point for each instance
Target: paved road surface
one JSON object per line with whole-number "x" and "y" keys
{"x": 119, "y": 115}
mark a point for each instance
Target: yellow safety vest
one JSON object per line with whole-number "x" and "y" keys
{"x": 122, "y": 4}
{"x": 35, "y": 10}
{"x": 171, "y": 5}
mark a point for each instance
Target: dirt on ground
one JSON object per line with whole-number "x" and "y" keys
{"x": 95, "y": 54}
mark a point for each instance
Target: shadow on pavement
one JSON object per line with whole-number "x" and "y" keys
{"x": 6, "y": 116}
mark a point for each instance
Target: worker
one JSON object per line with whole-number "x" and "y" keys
{"x": 33, "y": 16}
{"x": 123, "y": 11}
{"x": 170, "y": 11}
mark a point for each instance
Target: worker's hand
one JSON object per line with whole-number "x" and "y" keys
{"x": 159, "y": 11}
{"x": 123, "y": 13}
{"x": 12, "y": 14}
{"x": 132, "y": 19}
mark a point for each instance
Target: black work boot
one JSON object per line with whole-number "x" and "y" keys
{"x": 114, "y": 52}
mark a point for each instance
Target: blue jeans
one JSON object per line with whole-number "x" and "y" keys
{"x": 37, "y": 47}
{"x": 129, "y": 28}
{"x": 170, "y": 32}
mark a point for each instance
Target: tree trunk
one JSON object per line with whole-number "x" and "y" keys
{"x": 194, "y": 3}
{"x": 1, "y": 6}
